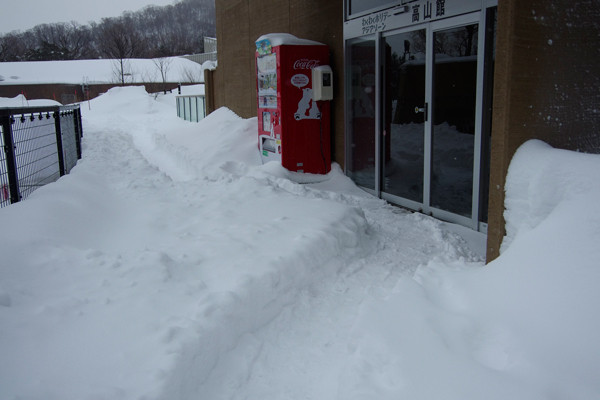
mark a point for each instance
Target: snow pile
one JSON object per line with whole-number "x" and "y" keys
{"x": 118, "y": 278}
{"x": 209, "y": 65}
{"x": 192, "y": 90}
{"x": 21, "y": 101}
{"x": 278, "y": 39}
{"x": 525, "y": 326}
{"x": 177, "y": 69}
{"x": 171, "y": 264}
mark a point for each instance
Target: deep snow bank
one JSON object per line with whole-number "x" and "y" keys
{"x": 171, "y": 264}
{"x": 526, "y": 326}
{"x": 166, "y": 244}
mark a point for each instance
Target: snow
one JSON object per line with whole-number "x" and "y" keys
{"x": 171, "y": 264}
{"x": 209, "y": 65}
{"x": 189, "y": 90}
{"x": 97, "y": 71}
{"x": 21, "y": 101}
{"x": 278, "y": 39}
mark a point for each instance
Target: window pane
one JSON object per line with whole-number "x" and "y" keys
{"x": 404, "y": 129}
{"x": 360, "y": 92}
{"x": 454, "y": 95}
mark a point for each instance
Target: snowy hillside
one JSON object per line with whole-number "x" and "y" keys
{"x": 171, "y": 264}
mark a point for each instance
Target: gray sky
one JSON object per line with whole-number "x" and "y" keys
{"x": 24, "y": 14}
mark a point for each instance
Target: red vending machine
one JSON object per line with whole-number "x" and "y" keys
{"x": 294, "y": 86}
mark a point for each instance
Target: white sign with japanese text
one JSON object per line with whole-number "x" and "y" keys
{"x": 410, "y": 13}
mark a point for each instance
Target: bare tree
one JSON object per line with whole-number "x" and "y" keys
{"x": 122, "y": 71}
{"x": 120, "y": 41}
{"x": 192, "y": 75}
{"x": 163, "y": 64}
{"x": 12, "y": 47}
{"x": 152, "y": 32}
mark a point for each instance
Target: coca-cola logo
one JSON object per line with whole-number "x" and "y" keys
{"x": 305, "y": 63}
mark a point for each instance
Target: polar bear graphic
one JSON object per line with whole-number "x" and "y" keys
{"x": 304, "y": 105}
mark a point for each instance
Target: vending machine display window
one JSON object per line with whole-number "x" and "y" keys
{"x": 267, "y": 80}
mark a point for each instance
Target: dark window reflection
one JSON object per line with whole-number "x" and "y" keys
{"x": 360, "y": 164}
{"x": 454, "y": 95}
{"x": 403, "y": 139}
{"x": 486, "y": 129}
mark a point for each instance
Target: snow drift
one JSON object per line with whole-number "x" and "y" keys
{"x": 525, "y": 326}
{"x": 171, "y": 264}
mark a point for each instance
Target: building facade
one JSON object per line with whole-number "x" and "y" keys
{"x": 433, "y": 97}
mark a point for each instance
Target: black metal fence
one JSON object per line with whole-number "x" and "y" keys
{"x": 40, "y": 145}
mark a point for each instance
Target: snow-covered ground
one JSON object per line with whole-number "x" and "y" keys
{"x": 171, "y": 264}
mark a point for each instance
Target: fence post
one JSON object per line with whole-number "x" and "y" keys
{"x": 11, "y": 164}
{"x": 59, "y": 146}
{"x": 209, "y": 89}
{"x": 78, "y": 131}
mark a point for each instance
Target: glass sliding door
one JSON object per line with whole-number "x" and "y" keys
{"x": 404, "y": 114}
{"x": 361, "y": 111}
{"x": 418, "y": 115}
{"x": 454, "y": 85}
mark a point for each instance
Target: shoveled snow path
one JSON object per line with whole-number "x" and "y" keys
{"x": 252, "y": 352}
{"x": 232, "y": 310}
{"x": 307, "y": 350}
{"x": 171, "y": 264}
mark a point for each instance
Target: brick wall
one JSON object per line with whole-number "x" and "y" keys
{"x": 546, "y": 86}
{"x": 241, "y": 22}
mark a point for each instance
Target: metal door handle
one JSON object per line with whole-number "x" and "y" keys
{"x": 421, "y": 110}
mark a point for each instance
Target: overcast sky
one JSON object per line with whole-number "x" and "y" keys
{"x": 25, "y": 14}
